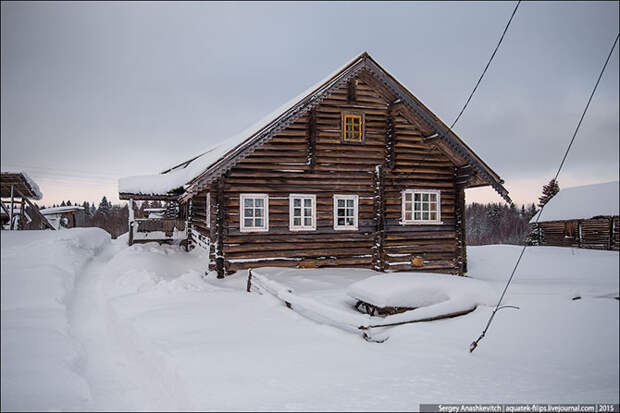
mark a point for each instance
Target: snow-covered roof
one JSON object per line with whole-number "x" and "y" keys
{"x": 180, "y": 176}
{"x": 60, "y": 210}
{"x": 177, "y": 176}
{"x": 31, "y": 189}
{"x": 582, "y": 202}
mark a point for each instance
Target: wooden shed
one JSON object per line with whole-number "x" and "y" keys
{"x": 17, "y": 211}
{"x": 65, "y": 216}
{"x": 354, "y": 172}
{"x": 581, "y": 217}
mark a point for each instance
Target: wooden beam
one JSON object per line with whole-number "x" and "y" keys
{"x": 378, "y": 249}
{"x": 351, "y": 94}
{"x": 12, "y": 203}
{"x": 460, "y": 230}
{"x": 312, "y": 132}
{"x": 219, "y": 229}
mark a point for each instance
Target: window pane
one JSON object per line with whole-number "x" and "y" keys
{"x": 341, "y": 212}
{"x": 258, "y": 212}
{"x": 259, "y": 202}
{"x": 416, "y": 216}
{"x": 349, "y": 203}
{"x": 425, "y": 216}
{"x": 308, "y": 221}
{"x": 297, "y": 212}
{"x": 340, "y": 221}
{"x": 408, "y": 215}
{"x": 297, "y": 202}
{"x": 418, "y": 206}
{"x": 433, "y": 216}
{"x": 340, "y": 203}
{"x": 350, "y": 221}
{"x": 248, "y": 212}
{"x": 434, "y": 207}
{"x": 408, "y": 196}
{"x": 296, "y": 221}
{"x": 258, "y": 222}
{"x": 407, "y": 206}
{"x": 433, "y": 197}
{"x": 424, "y": 197}
{"x": 248, "y": 222}
{"x": 424, "y": 206}
{"x": 308, "y": 212}
{"x": 417, "y": 197}
{"x": 248, "y": 202}
{"x": 307, "y": 203}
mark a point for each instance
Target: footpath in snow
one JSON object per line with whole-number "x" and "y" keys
{"x": 143, "y": 329}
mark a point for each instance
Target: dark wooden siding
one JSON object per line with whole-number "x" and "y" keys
{"x": 596, "y": 233}
{"x": 296, "y": 162}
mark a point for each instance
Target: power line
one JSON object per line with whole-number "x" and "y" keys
{"x": 474, "y": 344}
{"x": 487, "y": 66}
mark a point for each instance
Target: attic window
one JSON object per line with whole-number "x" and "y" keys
{"x": 352, "y": 127}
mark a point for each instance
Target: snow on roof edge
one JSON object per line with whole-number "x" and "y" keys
{"x": 57, "y": 210}
{"x": 159, "y": 184}
{"x": 33, "y": 185}
{"x": 582, "y": 202}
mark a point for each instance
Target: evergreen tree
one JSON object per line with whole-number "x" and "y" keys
{"x": 86, "y": 207}
{"x": 104, "y": 206}
{"x": 533, "y": 210}
{"x": 548, "y": 192}
{"x": 63, "y": 204}
{"x": 93, "y": 209}
{"x": 523, "y": 213}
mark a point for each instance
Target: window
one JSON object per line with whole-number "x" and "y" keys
{"x": 254, "y": 212}
{"x": 302, "y": 212}
{"x": 421, "y": 206}
{"x": 353, "y": 127}
{"x": 208, "y": 209}
{"x": 346, "y": 211}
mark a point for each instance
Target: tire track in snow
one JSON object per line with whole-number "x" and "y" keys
{"x": 122, "y": 369}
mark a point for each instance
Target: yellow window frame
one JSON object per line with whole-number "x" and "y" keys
{"x": 354, "y": 133}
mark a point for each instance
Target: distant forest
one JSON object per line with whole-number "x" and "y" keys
{"x": 492, "y": 223}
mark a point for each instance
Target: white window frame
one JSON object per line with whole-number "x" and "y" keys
{"x": 208, "y": 210}
{"x": 301, "y": 227}
{"x": 346, "y": 227}
{"x": 414, "y": 221}
{"x": 265, "y": 227}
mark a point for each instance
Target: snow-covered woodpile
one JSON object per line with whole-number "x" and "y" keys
{"x": 581, "y": 217}
{"x": 354, "y": 172}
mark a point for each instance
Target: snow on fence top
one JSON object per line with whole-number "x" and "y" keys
{"x": 60, "y": 210}
{"x": 178, "y": 176}
{"x": 35, "y": 191}
{"x": 582, "y": 202}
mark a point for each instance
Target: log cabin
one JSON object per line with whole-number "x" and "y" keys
{"x": 354, "y": 172}
{"x": 581, "y": 217}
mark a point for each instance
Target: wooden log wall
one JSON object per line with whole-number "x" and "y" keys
{"x": 596, "y": 233}
{"x": 308, "y": 157}
{"x": 418, "y": 166}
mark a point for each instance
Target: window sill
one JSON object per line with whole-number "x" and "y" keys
{"x": 301, "y": 229}
{"x": 421, "y": 222}
{"x": 346, "y": 229}
{"x": 253, "y": 229}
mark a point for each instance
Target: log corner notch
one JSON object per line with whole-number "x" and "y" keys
{"x": 390, "y": 144}
{"x": 378, "y": 248}
{"x": 461, "y": 242}
{"x": 311, "y": 158}
{"x": 219, "y": 228}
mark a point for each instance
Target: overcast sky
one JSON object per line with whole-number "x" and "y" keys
{"x": 95, "y": 91}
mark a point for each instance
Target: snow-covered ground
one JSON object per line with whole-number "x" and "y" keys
{"x": 93, "y": 324}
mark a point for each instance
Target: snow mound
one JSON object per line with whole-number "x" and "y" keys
{"x": 39, "y": 270}
{"x": 415, "y": 290}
